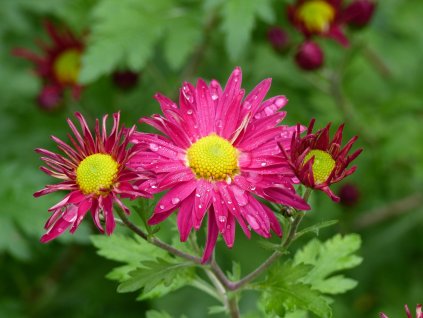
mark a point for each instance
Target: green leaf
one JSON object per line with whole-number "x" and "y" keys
{"x": 184, "y": 34}
{"x": 157, "y": 314}
{"x": 316, "y": 228}
{"x": 124, "y": 249}
{"x": 284, "y": 291}
{"x": 124, "y": 31}
{"x": 213, "y": 310}
{"x": 239, "y": 17}
{"x": 327, "y": 258}
{"x": 154, "y": 274}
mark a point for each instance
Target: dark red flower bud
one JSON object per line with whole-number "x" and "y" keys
{"x": 50, "y": 98}
{"x": 125, "y": 80}
{"x": 349, "y": 194}
{"x": 359, "y": 13}
{"x": 278, "y": 38}
{"x": 309, "y": 56}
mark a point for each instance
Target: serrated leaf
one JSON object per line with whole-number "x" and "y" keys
{"x": 284, "y": 291}
{"x": 183, "y": 36}
{"x": 238, "y": 22}
{"x": 156, "y": 273}
{"x": 124, "y": 249}
{"x": 327, "y": 258}
{"x": 127, "y": 31}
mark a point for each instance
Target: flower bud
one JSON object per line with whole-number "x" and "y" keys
{"x": 349, "y": 194}
{"x": 359, "y": 13}
{"x": 309, "y": 56}
{"x": 50, "y": 98}
{"x": 125, "y": 80}
{"x": 279, "y": 39}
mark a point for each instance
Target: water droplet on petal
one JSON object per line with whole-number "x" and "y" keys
{"x": 222, "y": 219}
{"x": 214, "y": 96}
{"x": 229, "y": 202}
{"x": 263, "y": 164}
{"x": 189, "y": 111}
{"x": 252, "y": 221}
{"x": 247, "y": 105}
{"x": 161, "y": 206}
{"x": 198, "y": 195}
{"x": 252, "y": 188}
{"x": 154, "y": 147}
{"x": 154, "y": 186}
{"x": 175, "y": 200}
{"x": 219, "y": 123}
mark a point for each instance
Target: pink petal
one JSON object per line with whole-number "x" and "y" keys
{"x": 212, "y": 233}
{"x": 285, "y": 197}
{"x": 253, "y": 101}
{"x": 184, "y": 219}
{"x": 201, "y": 202}
{"x": 205, "y": 108}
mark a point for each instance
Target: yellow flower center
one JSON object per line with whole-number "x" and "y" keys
{"x": 213, "y": 157}
{"x": 67, "y": 65}
{"x": 322, "y": 166}
{"x": 96, "y": 173}
{"x": 316, "y": 15}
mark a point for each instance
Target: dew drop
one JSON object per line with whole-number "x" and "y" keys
{"x": 263, "y": 164}
{"x": 198, "y": 195}
{"x": 229, "y": 202}
{"x": 189, "y": 111}
{"x": 161, "y": 206}
{"x": 214, "y": 96}
{"x": 252, "y": 221}
{"x": 154, "y": 147}
{"x": 280, "y": 102}
{"x": 252, "y": 188}
{"x": 200, "y": 206}
{"x": 247, "y": 105}
{"x": 222, "y": 219}
{"x": 175, "y": 200}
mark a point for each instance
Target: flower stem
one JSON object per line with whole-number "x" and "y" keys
{"x": 156, "y": 241}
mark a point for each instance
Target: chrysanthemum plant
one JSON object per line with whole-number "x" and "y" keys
{"x": 221, "y": 161}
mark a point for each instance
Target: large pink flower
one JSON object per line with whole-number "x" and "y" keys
{"x": 219, "y": 154}
{"x": 95, "y": 173}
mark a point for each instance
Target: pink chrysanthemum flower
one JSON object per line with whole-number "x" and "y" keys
{"x": 95, "y": 173}
{"x": 319, "y": 162}
{"x": 59, "y": 63}
{"x": 419, "y": 313}
{"x": 318, "y": 17}
{"x": 219, "y": 152}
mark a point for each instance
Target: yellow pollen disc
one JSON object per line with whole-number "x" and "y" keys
{"x": 213, "y": 157}
{"x": 96, "y": 173}
{"x": 322, "y": 166}
{"x": 316, "y": 15}
{"x": 67, "y": 65}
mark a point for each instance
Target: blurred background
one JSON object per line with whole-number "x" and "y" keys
{"x": 128, "y": 50}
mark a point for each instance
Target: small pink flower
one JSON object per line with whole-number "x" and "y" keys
{"x": 279, "y": 39}
{"x": 218, "y": 153}
{"x": 318, "y": 17}
{"x": 94, "y": 171}
{"x": 419, "y": 313}
{"x": 319, "y": 162}
{"x": 59, "y": 63}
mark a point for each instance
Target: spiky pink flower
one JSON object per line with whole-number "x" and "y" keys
{"x": 318, "y": 17}
{"x": 95, "y": 173}
{"x": 319, "y": 162}
{"x": 419, "y": 313}
{"x": 59, "y": 63}
{"x": 218, "y": 154}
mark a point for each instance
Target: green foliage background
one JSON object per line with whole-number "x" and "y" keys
{"x": 167, "y": 42}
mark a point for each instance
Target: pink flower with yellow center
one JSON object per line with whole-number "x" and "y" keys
{"x": 419, "y": 313}
{"x": 217, "y": 154}
{"x": 318, "y": 17}
{"x": 95, "y": 173}
{"x": 319, "y": 162}
{"x": 60, "y": 62}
